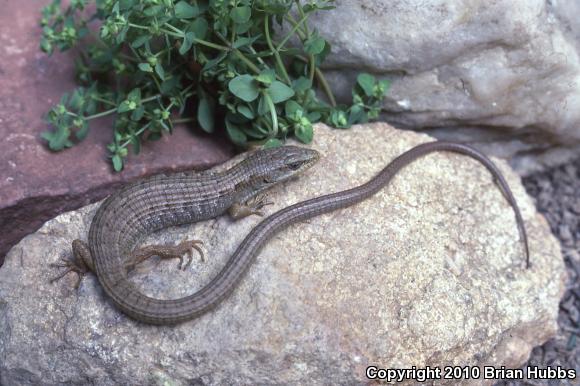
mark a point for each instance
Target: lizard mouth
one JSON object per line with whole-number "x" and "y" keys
{"x": 311, "y": 157}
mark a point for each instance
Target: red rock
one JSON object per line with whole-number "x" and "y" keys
{"x": 37, "y": 184}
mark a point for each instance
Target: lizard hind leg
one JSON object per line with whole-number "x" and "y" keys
{"x": 184, "y": 248}
{"x": 81, "y": 263}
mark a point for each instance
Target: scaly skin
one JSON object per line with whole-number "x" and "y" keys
{"x": 166, "y": 200}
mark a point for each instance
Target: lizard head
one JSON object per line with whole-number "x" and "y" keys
{"x": 278, "y": 164}
{"x": 268, "y": 167}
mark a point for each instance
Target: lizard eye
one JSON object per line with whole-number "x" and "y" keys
{"x": 295, "y": 165}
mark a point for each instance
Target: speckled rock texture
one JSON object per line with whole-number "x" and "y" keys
{"x": 430, "y": 271}
{"x": 509, "y": 71}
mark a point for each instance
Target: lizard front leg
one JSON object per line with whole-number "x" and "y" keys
{"x": 253, "y": 206}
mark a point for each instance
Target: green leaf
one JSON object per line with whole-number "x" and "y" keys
{"x": 127, "y": 105}
{"x": 124, "y": 107}
{"x": 236, "y": 134}
{"x": 155, "y": 10}
{"x": 338, "y": 119}
{"x": 186, "y": 43}
{"x": 321, "y": 57}
{"x": 357, "y": 114}
{"x": 145, "y": 67}
{"x": 138, "y": 113}
{"x": 170, "y": 85}
{"x": 46, "y": 45}
{"x": 279, "y": 8}
{"x": 77, "y": 99}
{"x": 301, "y": 84}
{"x": 279, "y": 92}
{"x": 256, "y": 131}
{"x": 205, "y": 114}
{"x": 117, "y": 162}
{"x": 140, "y": 41}
{"x": 244, "y": 87}
{"x": 159, "y": 70}
{"x": 82, "y": 130}
{"x": 272, "y": 142}
{"x": 241, "y": 14}
{"x": 263, "y": 107}
{"x": 215, "y": 61}
{"x": 246, "y": 111}
{"x": 304, "y": 133}
{"x": 366, "y": 83}
{"x": 199, "y": 27}
{"x": 314, "y": 116}
{"x": 314, "y": 45}
{"x": 243, "y": 27}
{"x": 266, "y": 77}
{"x": 382, "y": 88}
{"x": 58, "y": 139}
{"x": 291, "y": 107}
{"x": 183, "y": 10}
{"x": 135, "y": 95}
{"x": 122, "y": 35}
{"x": 244, "y": 41}
{"x": 126, "y": 4}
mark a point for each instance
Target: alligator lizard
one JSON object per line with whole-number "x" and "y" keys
{"x": 161, "y": 201}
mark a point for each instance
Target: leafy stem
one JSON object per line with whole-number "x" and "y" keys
{"x": 311, "y": 58}
{"x": 176, "y": 32}
{"x": 275, "y": 52}
{"x": 101, "y": 114}
{"x": 273, "y": 114}
{"x": 157, "y": 63}
{"x": 247, "y": 61}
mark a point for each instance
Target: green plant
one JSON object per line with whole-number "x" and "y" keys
{"x": 154, "y": 62}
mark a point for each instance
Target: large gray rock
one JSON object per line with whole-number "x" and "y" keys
{"x": 510, "y": 66}
{"x": 428, "y": 272}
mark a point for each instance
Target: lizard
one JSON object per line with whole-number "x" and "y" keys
{"x": 165, "y": 200}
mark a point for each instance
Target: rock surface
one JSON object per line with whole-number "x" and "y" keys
{"x": 427, "y": 272}
{"x": 36, "y": 184}
{"x": 499, "y": 67}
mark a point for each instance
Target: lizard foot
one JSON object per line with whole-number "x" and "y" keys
{"x": 81, "y": 263}
{"x": 253, "y": 206}
{"x": 186, "y": 247}
{"x": 258, "y": 203}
